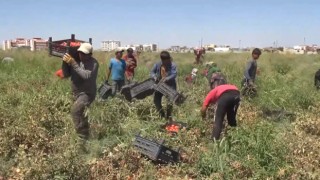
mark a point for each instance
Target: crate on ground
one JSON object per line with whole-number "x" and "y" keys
{"x": 170, "y": 93}
{"x": 156, "y": 151}
{"x": 125, "y": 91}
{"x": 143, "y": 89}
{"x": 105, "y": 90}
{"x": 60, "y": 47}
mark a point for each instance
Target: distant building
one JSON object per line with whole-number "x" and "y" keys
{"x": 135, "y": 47}
{"x": 210, "y": 47}
{"x": 175, "y": 48}
{"x": 222, "y": 49}
{"x": 33, "y": 44}
{"x": 110, "y": 45}
{"x": 150, "y": 47}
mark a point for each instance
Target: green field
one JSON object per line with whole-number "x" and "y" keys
{"x": 37, "y": 138}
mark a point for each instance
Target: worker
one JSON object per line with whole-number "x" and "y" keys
{"x": 164, "y": 71}
{"x": 227, "y": 98}
{"x": 117, "y": 69}
{"x": 83, "y": 75}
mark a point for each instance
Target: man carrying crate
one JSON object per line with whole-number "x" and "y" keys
{"x": 164, "y": 71}
{"x": 83, "y": 75}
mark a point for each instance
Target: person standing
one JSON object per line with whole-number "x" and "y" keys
{"x": 117, "y": 69}
{"x": 251, "y": 68}
{"x": 83, "y": 75}
{"x": 227, "y": 98}
{"x": 164, "y": 71}
{"x": 131, "y": 65}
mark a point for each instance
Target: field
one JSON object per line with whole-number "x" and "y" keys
{"x": 37, "y": 138}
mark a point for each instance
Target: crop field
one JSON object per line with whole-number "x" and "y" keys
{"x": 38, "y": 141}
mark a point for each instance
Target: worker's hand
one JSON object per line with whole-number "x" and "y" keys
{"x": 203, "y": 112}
{"x": 106, "y": 82}
{"x": 165, "y": 79}
{"x": 129, "y": 62}
{"x": 68, "y": 59}
{"x": 155, "y": 78}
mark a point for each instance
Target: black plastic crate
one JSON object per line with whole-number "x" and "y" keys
{"x": 60, "y": 47}
{"x": 125, "y": 91}
{"x": 156, "y": 151}
{"x": 105, "y": 90}
{"x": 143, "y": 89}
{"x": 170, "y": 93}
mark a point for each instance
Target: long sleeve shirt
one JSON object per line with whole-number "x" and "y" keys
{"x": 83, "y": 76}
{"x": 251, "y": 70}
{"x": 171, "y": 73}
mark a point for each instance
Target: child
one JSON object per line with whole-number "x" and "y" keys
{"x": 227, "y": 98}
{"x": 164, "y": 71}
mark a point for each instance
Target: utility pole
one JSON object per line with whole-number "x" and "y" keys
{"x": 201, "y": 43}
{"x": 239, "y": 44}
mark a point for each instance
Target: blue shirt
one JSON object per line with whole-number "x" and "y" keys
{"x": 117, "y": 68}
{"x": 171, "y": 73}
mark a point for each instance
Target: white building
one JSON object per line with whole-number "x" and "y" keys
{"x": 150, "y": 47}
{"x": 110, "y": 45}
{"x": 222, "y": 49}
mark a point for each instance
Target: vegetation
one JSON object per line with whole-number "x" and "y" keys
{"x": 37, "y": 139}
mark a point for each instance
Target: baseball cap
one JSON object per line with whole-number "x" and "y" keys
{"x": 86, "y": 48}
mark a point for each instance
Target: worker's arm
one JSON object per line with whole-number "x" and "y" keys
{"x": 153, "y": 72}
{"x": 108, "y": 71}
{"x": 85, "y": 73}
{"x": 204, "y": 112}
{"x": 210, "y": 98}
{"x": 66, "y": 69}
{"x": 134, "y": 63}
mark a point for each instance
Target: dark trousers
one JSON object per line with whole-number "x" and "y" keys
{"x": 116, "y": 86}
{"x": 227, "y": 103}
{"x": 80, "y": 120}
{"x": 157, "y": 101}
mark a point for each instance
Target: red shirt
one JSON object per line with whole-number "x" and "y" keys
{"x": 214, "y": 94}
{"x": 130, "y": 68}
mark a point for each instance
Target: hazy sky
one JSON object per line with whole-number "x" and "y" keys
{"x": 165, "y": 22}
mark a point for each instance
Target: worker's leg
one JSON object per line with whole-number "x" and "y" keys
{"x": 169, "y": 111}
{"x": 114, "y": 87}
{"x": 120, "y": 84}
{"x": 218, "y": 119}
{"x": 157, "y": 102}
{"x": 79, "y": 118}
{"x": 232, "y": 108}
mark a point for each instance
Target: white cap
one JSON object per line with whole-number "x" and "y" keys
{"x": 86, "y": 48}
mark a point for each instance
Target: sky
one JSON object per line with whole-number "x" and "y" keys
{"x": 244, "y": 23}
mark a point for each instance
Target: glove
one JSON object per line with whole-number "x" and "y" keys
{"x": 68, "y": 59}
{"x": 106, "y": 82}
